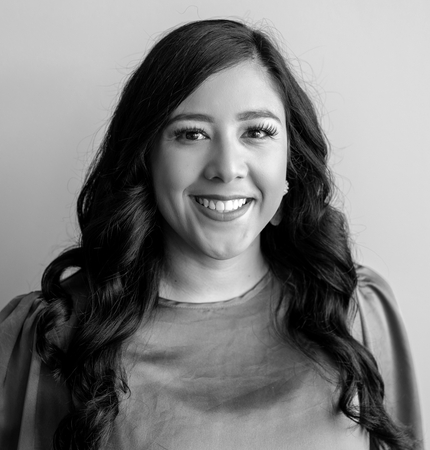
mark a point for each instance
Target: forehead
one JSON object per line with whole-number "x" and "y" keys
{"x": 244, "y": 87}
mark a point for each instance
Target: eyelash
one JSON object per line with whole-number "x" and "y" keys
{"x": 269, "y": 130}
{"x": 181, "y": 131}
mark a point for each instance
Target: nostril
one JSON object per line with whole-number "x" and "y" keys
{"x": 225, "y": 168}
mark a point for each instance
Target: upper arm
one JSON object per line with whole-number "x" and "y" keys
{"x": 17, "y": 327}
{"x": 384, "y": 334}
{"x": 31, "y": 402}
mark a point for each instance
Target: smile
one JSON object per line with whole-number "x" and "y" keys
{"x": 222, "y": 206}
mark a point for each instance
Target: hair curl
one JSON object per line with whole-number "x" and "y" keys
{"x": 120, "y": 253}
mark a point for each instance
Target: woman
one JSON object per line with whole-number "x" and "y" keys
{"x": 216, "y": 304}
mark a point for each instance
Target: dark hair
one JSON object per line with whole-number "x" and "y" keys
{"x": 120, "y": 251}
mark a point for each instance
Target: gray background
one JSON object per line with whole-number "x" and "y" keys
{"x": 366, "y": 64}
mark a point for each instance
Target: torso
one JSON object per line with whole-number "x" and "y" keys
{"x": 217, "y": 376}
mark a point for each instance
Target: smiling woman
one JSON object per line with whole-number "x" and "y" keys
{"x": 215, "y": 303}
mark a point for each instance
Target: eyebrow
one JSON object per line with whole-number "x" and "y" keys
{"x": 258, "y": 114}
{"x": 247, "y": 115}
{"x": 197, "y": 117}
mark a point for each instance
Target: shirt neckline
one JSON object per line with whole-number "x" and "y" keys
{"x": 256, "y": 289}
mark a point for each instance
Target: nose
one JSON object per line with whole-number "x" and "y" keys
{"x": 227, "y": 160}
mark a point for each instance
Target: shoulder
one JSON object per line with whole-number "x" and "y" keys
{"x": 17, "y": 363}
{"x": 18, "y": 319}
{"x": 381, "y": 325}
{"x": 33, "y": 401}
{"x": 21, "y": 306}
{"x": 377, "y": 306}
{"x": 374, "y": 288}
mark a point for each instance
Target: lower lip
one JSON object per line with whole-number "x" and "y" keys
{"x": 223, "y": 216}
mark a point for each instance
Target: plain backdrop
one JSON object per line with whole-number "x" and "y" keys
{"x": 365, "y": 63}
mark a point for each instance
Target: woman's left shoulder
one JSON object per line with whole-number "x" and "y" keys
{"x": 377, "y": 307}
{"x": 379, "y": 313}
{"x": 379, "y": 326}
{"x": 378, "y": 323}
{"x": 374, "y": 291}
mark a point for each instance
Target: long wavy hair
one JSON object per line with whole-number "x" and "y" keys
{"x": 120, "y": 253}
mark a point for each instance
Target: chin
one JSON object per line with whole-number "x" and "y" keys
{"x": 229, "y": 251}
{"x": 223, "y": 256}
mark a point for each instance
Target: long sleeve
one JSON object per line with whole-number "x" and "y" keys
{"x": 384, "y": 334}
{"x": 31, "y": 402}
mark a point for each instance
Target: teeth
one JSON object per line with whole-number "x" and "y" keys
{"x": 220, "y": 206}
{"x": 229, "y": 205}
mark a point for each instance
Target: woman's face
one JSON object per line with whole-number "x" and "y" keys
{"x": 220, "y": 165}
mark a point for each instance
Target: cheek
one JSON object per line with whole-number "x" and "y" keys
{"x": 173, "y": 172}
{"x": 167, "y": 175}
{"x": 272, "y": 180}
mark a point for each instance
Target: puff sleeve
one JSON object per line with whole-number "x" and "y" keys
{"x": 380, "y": 328}
{"x": 31, "y": 402}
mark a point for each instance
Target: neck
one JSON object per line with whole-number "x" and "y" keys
{"x": 203, "y": 280}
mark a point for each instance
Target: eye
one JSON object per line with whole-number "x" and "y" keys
{"x": 260, "y": 131}
{"x": 190, "y": 134}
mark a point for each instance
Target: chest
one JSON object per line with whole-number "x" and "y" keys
{"x": 228, "y": 385}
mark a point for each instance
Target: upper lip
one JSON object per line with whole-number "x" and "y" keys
{"x": 223, "y": 198}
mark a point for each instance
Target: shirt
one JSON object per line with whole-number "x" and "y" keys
{"x": 213, "y": 376}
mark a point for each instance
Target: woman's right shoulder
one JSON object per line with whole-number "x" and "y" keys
{"x": 33, "y": 400}
{"x": 21, "y": 306}
{"x": 19, "y": 317}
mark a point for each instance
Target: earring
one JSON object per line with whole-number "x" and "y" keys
{"x": 286, "y": 187}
